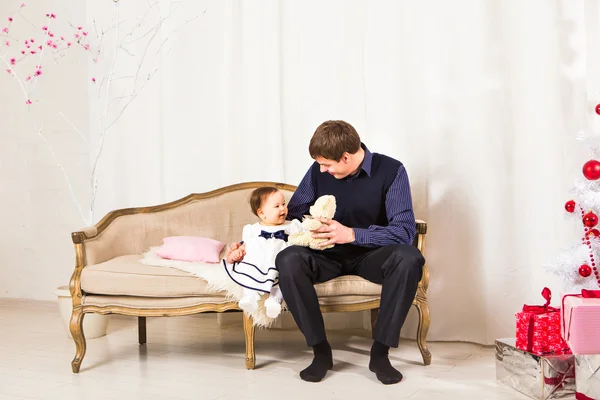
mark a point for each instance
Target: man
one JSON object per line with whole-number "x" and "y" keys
{"x": 372, "y": 230}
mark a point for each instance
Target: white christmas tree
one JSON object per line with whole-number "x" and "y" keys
{"x": 578, "y": 265}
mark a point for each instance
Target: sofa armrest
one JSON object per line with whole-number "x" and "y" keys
{"x": 86, "y": 233}
{"x": 419, "y": 241}
{"x": 124, "y": 232}
{"x": 421, "y": 227}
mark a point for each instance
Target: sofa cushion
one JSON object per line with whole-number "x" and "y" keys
{"x": 347, "y": 285}
{"x": 127, "y": 276}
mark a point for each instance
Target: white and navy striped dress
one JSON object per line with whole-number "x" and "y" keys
{"x": 257, "y": 270}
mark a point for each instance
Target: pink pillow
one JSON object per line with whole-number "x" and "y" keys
{"x": 190, "y": 248}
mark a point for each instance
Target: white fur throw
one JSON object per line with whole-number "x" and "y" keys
{"x": 217, "y": 279}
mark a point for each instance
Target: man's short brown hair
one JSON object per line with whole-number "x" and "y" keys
{"x": 332, "y": 139}
{"x": 258, "y": 197}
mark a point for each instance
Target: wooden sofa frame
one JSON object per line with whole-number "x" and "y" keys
{"x": 79, "y": 239}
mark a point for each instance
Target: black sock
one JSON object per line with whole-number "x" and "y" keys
{"x": 322, "y": 363}
{"x": 380, "y": 364}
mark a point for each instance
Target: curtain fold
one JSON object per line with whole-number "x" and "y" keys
{"x": 481, "y": 100}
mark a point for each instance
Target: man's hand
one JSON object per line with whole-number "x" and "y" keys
{"x": 235, "y": 253}
{"x": 335, "y": 232}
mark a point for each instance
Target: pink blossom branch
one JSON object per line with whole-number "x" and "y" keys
{"x": 20, "y": 82}
{"x": 49, "y": 146}
{"x": 41, "y": 54}
{"x": 58, "y": 50}
{"x": 39, "y": 129}
{"x": 14, "y": 73}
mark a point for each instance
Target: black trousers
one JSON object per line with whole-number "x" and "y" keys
{"x": 398, "y": 268}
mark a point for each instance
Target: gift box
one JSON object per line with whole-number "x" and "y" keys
{"x": 587, "y": 375}
{"x": 580, "y": 321}
{"x": 539, "y": 329}
{"x": 539, "y": 377}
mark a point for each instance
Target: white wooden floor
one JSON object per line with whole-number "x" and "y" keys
{"x": 194, "y": 358}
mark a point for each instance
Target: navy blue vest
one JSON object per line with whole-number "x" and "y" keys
{"x": 360, "y": 198}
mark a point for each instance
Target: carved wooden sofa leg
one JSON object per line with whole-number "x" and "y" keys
{"x": 422, "y": 329}
{"x": 76, "y": 328}
{"x": 374, "y": 315}
{"x": 142, "y": 330}
{"x": 424, "y": 321}
{"x": 249, "y": 334}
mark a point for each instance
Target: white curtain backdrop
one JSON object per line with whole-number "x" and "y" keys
{"x": 481, "y": 100}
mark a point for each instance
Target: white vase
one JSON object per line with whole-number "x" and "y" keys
{"x": 94, "y": 325}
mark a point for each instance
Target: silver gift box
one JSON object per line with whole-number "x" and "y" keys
{"x": 539, "y": 377}
{"x": 587, "y": 376}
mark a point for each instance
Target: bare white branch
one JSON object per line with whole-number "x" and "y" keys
{"x": 25, "y": 19}
{"x": 94, "y": 178}
{"x": 63, "y": 116}
{"x": 123, "y": 77}
{"x": 140, "y": 20}
{"x": 126, "y": 51}
{"x": 135, "y": 94}
{"x": 39, "y": 131}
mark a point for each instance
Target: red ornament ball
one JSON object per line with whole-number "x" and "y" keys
{"x": 585, "y": 270}
{"x": 591, "y": 170}
{"x": 598, "y": 109}
{"x": 593, "y": 232}
{"x": 570, "y": 206}
{"x": 590, "y": 220}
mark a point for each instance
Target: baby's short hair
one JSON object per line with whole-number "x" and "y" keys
{"x": 259, "y": 195}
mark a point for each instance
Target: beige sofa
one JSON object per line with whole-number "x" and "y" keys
{"x": 109, "y": 279}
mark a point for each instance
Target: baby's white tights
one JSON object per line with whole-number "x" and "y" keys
{"x": 273, "y": 303}
{"x": 249, "y": 301}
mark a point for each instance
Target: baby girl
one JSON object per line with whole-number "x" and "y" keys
{"x": 252, "y": 264}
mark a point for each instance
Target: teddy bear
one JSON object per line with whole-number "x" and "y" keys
{"x": 324, "y": 207}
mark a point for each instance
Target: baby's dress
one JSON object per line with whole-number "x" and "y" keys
{"x": 257, "y": 271}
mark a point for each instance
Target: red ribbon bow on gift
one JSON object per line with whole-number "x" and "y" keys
{"x": 547, "y": 294}
{"x": 536, "y": 310}
{"x": 586, "y": 294}
{"x": 590, "y": 294}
